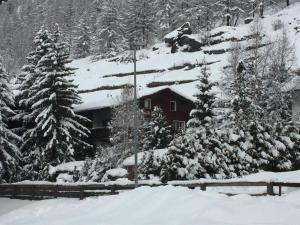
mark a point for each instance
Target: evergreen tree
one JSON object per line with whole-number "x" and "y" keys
{"x": 150, "y": 165}
{"x": 230, "y": 11}
{"x": 140, "y": 22}
{"x": 9, "y": 151}
{"x": 202, "y": 15}
{"x": 244, "y": 109}
{"x": 57, "y": 130}
{"x": 203, "y": 112}
{"x": 181, "y": 160}
{"x": 30, "y": 159}
{"x": 156, "y": 132}
{"x": 84, "y": 41}
{"x": 165, "y": 12}
{"x": 279, "y": 74}
{"x": 109, "y": 34}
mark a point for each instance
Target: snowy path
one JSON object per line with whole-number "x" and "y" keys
{"x": 7, "y": 205}
{"x": 160, "y": 206}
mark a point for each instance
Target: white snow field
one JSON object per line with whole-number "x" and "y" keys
{"x": 159, "y": 206}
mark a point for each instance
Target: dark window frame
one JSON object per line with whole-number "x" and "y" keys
{"x": 173, "y": 109}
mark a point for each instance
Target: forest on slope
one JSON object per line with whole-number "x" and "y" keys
{"x": 108, "y": 26}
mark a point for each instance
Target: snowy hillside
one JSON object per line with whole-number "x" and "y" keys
{"x": 163, "y": 205}
{"x": 102, "y": 80}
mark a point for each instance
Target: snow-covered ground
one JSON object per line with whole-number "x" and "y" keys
{"x": 158, "y": 206}
{"x": 92, "y": 74}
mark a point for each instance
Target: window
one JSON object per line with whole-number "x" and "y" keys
{"x": 173, "y": 106}
{"x": 179, "y": 125}
{"x": 105, "y": 123}
{"x": 147, "y": 103}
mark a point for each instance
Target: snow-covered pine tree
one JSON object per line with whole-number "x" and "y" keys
{"x": 202, "y": 15}
{"x": 30, "y": 159}
{"x": 57, "y": 130}
{"x": 156, "y": 132}
{"x": 181, "y": 160}
{"x": 280, "y": 66}
{"x": 242, "y": 103}
{"x": 9, "y": 151}
{"x": 230, "y": 11}
{"x": 236, "y": 148}
{"x": 140, "y": 21}
{"x": 150, "y": 165}
{"x": 165, "y": 12}
{"x": 110, "y": 29}
{"x": 203, "y": 112}
{"x": 83, "y": 41}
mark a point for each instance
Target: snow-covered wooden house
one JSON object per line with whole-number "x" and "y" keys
{"x": 175, "y": 106}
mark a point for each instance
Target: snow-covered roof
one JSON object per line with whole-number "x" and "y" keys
{"x": 293, "y": 85}
{"x": 66, "y": 167}
{"x": 157, "y": 153}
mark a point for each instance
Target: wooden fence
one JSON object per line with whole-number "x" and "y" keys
{"x": 47, "y": 191}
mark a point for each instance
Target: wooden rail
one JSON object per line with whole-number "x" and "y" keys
{"x": 46, "y": 191}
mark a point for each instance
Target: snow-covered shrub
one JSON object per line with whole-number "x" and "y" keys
{"x": 114, "y": 174}
{"x": 94, "y": 170}
{"x": 150, "y": 165}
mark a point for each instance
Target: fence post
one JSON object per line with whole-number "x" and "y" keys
{"x": 33, "y": 192}
{"x": 203, "y": 187}
{"x": 14, "y": 192}
{"x": 280, "y": 190}
{"x": 55, "y": 191}
{"x": 113, "y": 189}
{"x": 270, "y": 188}
{"x": 81, "y": 194}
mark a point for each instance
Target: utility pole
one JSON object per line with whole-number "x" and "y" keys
{"x": 134, "y": 45}
{"x": 135, "y": 129}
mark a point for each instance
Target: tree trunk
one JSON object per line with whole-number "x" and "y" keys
{"x": 227, "y": 11}
{"x": 287, "y": 2}
{"x": 261, "y": 9}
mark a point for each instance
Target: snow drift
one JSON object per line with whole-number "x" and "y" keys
{"x": 160, "y": 206}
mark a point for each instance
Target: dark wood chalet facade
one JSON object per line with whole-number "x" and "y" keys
{"x": 175, "y": 107}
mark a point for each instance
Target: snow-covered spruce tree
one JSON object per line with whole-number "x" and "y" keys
{"x": 197, "y": 152}
{"x": 202, "y": 15}
{"x": 292, "y": 131}
{"x": 230, "y": 11}
{"x": 83, "y": 40}
{"x": 181, "y": 160}
{"x": 280, "y": 67}
{"x": 210, "y": 153}
{"x": 30, "y": 158}
{"x": 150, "y": 165}
{"x": 9, "y": 151}
{"x": 203, "y": 112}
{"x": 110, "y": 29}
{"x": 156, "y": 132}
{"x": 236, "y": 146}
{"x": 165, "y": 12}
{"x": 57, "y": 130}
{"x": 140, "y": 22}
